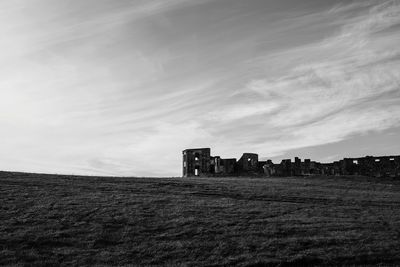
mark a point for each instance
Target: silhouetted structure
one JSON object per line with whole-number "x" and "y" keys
{"x": 196, "y": 162}
{"x": 248, "y": 163}
{"x": 199, "y": 162}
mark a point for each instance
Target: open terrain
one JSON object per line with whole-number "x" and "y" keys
{"x": 70, "y": 220}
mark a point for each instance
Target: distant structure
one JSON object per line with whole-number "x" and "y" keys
{"x": 199, "y": 162}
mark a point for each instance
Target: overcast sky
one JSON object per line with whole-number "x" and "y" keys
{"x": 122, "y": 87}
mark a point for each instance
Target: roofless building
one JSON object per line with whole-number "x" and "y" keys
{"x": 199, "y": 162}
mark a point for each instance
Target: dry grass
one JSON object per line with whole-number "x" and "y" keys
{"x": 65, "y": 220}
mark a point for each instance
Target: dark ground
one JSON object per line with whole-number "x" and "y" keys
{"x": 65, "y": 220}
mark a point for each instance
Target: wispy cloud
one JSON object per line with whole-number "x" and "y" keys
{"x": 344, "y": 85}
{"x": 100, "y": 87}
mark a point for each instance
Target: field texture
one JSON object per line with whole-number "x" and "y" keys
{"x": 65, "y": 220}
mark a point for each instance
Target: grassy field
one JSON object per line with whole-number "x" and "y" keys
{"x": 66, "y": 220}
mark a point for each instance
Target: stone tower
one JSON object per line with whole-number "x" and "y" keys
{"x": 196, "y": 162}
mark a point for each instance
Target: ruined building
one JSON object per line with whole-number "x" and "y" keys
{"x": 199, "y": 162}
{"x": 196, "y": 162}
{"x": 248, "y": 163}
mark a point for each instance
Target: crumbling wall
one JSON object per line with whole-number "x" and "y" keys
{"x": 199, "y": 162}
{"x": 196, "y": 162}
{"x": 285, "y": 168}
{"x": 229, "y": 166}
{"x": 269, "y": 168}
{"x": 385, "y": 166}
{"x": 248, "y": 163}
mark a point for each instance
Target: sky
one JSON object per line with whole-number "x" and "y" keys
{"x": 105, "y": 87}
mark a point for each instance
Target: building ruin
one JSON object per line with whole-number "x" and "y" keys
{"x": 199, "y": 162}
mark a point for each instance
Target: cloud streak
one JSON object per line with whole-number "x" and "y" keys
{"x": 333, "y": 92}
{"x": 100, "y": 87}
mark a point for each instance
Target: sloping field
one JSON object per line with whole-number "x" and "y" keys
{"x": 65, "y": 220}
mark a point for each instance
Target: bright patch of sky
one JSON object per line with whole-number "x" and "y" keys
{"x": 122, "y": 87}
